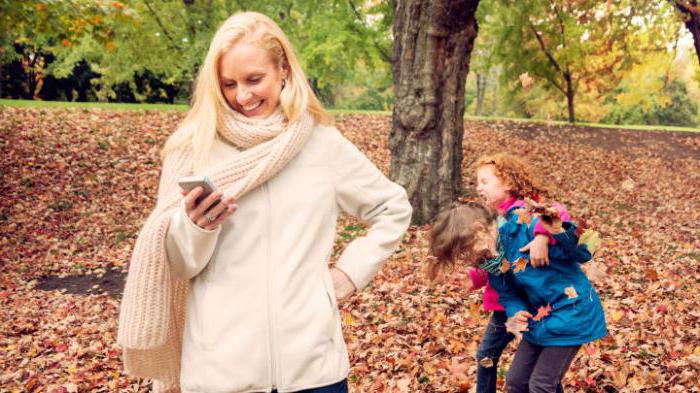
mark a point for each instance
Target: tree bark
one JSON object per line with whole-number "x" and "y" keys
{"x": 570, "y": 95}
{"x": 1, "y": 65}
{"x": 691, "y": 13}
{"x": 433, "y": 41}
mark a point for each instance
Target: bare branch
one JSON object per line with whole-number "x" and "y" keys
{"x": 173, "y": 44}
{"x": 687, "y": 7}
{"x": 382, "y": 52}
{"x": 540, "y": 41}
{"x": 552, "y": 81}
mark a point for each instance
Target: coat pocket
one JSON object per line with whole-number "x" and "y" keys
{"x": 334, "y": 320}
{"x": 567, "y": 319}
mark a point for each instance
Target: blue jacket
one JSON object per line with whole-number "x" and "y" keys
{"x": 576, "y": 315}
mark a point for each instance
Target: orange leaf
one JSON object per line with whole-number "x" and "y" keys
{"x": 458, "y": 369}
{"x": 651, "y": 275}
{"x": 591, "y": 349}
{"x": 520, "y": 265}
{"x": 505, "y": 266}
{"x": 474, "y": 309}
{"x": 542, "y": 312}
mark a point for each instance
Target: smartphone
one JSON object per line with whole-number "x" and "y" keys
{"x": 189, "y": 183}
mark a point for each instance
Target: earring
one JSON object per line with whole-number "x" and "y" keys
{"x": 284, "y": 83}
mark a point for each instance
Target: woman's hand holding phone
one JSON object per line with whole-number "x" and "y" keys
{"x": 208, "y": 214}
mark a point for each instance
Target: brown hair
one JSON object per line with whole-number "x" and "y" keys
{"x": 453, "y": 235}
{"x": 516, "y": 174}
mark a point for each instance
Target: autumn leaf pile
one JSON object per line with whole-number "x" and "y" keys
{"x": 77, "y": 185}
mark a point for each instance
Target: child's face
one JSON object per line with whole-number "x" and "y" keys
{"x": 490, "y": 187}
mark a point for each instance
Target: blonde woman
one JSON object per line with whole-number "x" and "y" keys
{"x": 239, "y": 297}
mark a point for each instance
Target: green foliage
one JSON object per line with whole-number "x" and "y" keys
{"x": 672, "y": 107}
{"x": 595, "y": 43}
{"x": 169, "y": 38}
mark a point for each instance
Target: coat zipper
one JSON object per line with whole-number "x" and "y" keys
{"x": 270, "y": 308}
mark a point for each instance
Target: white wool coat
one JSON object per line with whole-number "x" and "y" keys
{"x": 261, "y": 312}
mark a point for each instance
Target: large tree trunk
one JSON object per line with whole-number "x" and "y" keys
{"x": 1, "y": 65}
{"x": 433, "y": 41}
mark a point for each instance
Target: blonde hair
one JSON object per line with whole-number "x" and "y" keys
{"x": 516, "y": 174}
{"x": 454, "y": 235}
{"x": 199, "y": 127}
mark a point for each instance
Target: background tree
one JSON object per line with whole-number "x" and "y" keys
{"x": 433, "y": 41}
{"x": 574, "y": 46}
{"x": 690, "y": 12}
{"x": 165, "y": 41}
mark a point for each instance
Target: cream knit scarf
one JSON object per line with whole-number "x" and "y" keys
{"x": 152, "y": 313}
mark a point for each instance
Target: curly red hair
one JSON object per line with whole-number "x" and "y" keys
{"x": 516, "y": 174}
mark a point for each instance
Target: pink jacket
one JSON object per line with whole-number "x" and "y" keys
{"x": 480, "y": 277}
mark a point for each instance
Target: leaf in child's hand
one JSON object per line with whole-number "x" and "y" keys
{"x": 571, "y": 292}
{"x": 552, "y": 224}
{"x": 591, "y": 239}
{"x": 524, "y": 216}
{"x": 520, "y": 265}
{"x": 549, "y": 216}
{"x": 505, "y": 266}
{"x": 542, "y": 312}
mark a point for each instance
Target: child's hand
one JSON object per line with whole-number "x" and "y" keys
{"x": 539, "y": 251}
{"x": 518, "y": 323}
{"x": 549, "y": 216}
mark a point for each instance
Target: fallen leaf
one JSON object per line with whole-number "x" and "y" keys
{"x": 571, "y": 292}
{"x": 542, "y": 312}
{"x": 505, "y": 266}
{"x": 520, "y": 265}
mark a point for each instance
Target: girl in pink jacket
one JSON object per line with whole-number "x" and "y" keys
{"x": 503, "y": 181}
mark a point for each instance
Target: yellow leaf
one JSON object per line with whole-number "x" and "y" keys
{"x": 571, "y": 292}
{"x": 616, "y": 315}
{"x": 347, "y": 318}
{"x": 591, "y": 239}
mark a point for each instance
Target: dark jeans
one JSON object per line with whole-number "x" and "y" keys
{"x": 494, "y": 341}
{"x": 537, "y": 369}
{"x": 338, "y": 387}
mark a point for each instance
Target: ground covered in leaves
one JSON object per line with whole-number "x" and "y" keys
{"x": 77, "y": 184}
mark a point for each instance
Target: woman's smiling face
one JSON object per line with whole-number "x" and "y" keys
{"x": 250, "y": 81}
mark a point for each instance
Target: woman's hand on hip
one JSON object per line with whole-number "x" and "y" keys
{"x": 211, "y": 211}
{"x": 342, "y": 284}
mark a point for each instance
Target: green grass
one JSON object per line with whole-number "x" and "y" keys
{"x": 357, "y": 111}
{"x": 183, "y": 107}
{"x": 98, "y": 105}
{"x": 596, "y": 125}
